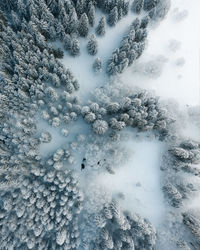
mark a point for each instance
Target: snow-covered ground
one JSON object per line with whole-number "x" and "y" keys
{"x": 139, "y": 179}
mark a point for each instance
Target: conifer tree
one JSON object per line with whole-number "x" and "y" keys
{"x": 75, "y": 47}
{"x": 8, "y": 5}
{"x": 145, "y": 22}
{"x": 113, "y": 17}
{"x": 15, "y": 20}
{"x": 83, "y": 27}
{"x": 64, "y": 18}
{"x": 91, "y": 14}
{"x": 80, "y": 7}
{"x": 97, "y": 65}
{"x": 100, "y": 29}
{"x": 67, "y": 42}
{"x": 150, "y": 4}
{"x": 21, "y": 9}
{"x": 137, "y": 6}
{"x": 73, "y": 21}
{"x": 100, "y": 127}
{"x": 92, "y": 45}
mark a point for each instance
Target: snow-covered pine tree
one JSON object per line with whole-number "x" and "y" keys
{"x": 80, "y": 7}
{"x": 100, "y": 127}
{"x": 73, "y": 21}
{"x": 21, "y": 9}
{"x": 53, "y": 6}
{"x": 60, "y": 31}
{"x": 111, "y": 68}
{"x": 123, "y": 65}
{"x": 92, "y": 45}
{"x": 64, "y": 18}
{"x": 136, "y": 24}
{"x": 8, "y": 5}
{"x": 83, "y": 27}
{"x": 67, "y": 42}
{"x": 160, "y": 10}
{"x": 137, "y": 6}
{"x": 16, "y": 22}
{"x": 140, "y": 35}
{"x": 150, "y": 4}
{"x": 144, "y": 22}
{"x": 58, "y": 53}
{"x": 91, "y": 14}
{"x": 100, "y": 29}
{"x": 97, "y": 65}
{"x": 131, "y": 55}
{"x": 191, "y": 220}
{"x": 75, "y": 47}
{"x": 113, "y": 17}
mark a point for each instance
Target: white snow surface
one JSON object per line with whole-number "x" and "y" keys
{"x": 138, "y": 179}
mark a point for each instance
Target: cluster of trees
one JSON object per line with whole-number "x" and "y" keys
{"x": 19, "y": 147}
{"x": 64, "y": 20}
{"x": 12, "y": 101}
{"x": 191, "y": 220}
{"x": 173, "y": 195}
{"x": 55, "y": 20}
{"x": 59, "y": 109}
{"x": 183, "y": 158}
{"x": 93, "y": 114}
{"x": 179, "y": 189}
{"x": 116, "y": 9}
{"x": 157, "y": 9}
{"x": 27, "y": 48}
{"x": 29, "y": 63}
{"x": 131, "y": 47}
{"x": 61, "y": 156}
{"x": 139, "y": 110}
{"x": 120, "y": 230}
{"x": 137, "y": 6}
{"x": 41, "y": 213}
{"x": 59, "y": 17}
{"x": 186, "y": 152}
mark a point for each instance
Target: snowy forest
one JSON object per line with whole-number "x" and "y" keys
{"x": 99, "y": 125}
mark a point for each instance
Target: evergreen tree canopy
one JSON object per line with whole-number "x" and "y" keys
{"x": 83, "y": 27}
